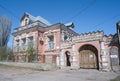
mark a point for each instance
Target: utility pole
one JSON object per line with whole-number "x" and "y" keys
{"x": 118, "y": 31}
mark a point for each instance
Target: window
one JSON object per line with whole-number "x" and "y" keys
{"x": 24, "y": 44}
{"x": 30, "y": 43}
{"x": 26, "y": 21}
{"x": 50, "y": 42}
{"x": 17, "y": 45}
{"x": 65, "y": 38}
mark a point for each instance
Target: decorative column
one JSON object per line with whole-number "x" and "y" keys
{"x": 26, "y": 54}
{"x": 16, "y": 58}
{"x": 58, "y": 60}
{"x": 36, "y": 39}
{"x": 62, "y": 62}
{"x": 104, "y": 57}
{"x": 54, "y": 39}
{"x": 14, "y": 45}
{"x": 74, "y": 58}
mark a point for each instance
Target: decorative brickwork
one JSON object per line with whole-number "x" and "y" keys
{"x": 52, "y": 42}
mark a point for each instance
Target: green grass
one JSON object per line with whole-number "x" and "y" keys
{"x": 116, "y": 79}
{"x": 3, "y": 65}
{"x": 10, "y": 66}
{"x": 17, "y": 67}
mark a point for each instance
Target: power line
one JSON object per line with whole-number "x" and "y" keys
{"x": 9, "y": 11}
{"x": 105, "y": 21}
{"x": 84, "y": 9}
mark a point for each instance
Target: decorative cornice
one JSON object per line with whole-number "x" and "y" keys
{"x": 88, "y": 36}
{"x": 32, "y": 27}
{"x": 66, "y": 45}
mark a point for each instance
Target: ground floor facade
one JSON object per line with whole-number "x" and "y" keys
{"x": 86, "y": 51}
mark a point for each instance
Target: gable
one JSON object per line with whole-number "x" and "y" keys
{"x": 24, "y": 20}
{"x": 29, "y": 19}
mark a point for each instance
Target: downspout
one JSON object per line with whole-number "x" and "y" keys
{"x": 37, "y": 47}
{"x": 118, "y": 34}
{"x": 60, "y": 49}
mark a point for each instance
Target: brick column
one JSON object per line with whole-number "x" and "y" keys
{"x": 62, "y": 62}
{"x": 104, "y": 57}
{"x": 16, "y": 58}
{"x": 74, "y": 59}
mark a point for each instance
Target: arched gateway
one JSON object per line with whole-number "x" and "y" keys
{"x": 88, "y": 57}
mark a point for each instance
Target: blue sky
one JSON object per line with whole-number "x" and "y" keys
{"x": 87, "y": 15}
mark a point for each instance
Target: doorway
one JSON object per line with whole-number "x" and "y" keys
{"x": 67, "y": 53}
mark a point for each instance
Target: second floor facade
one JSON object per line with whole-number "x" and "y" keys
{"x": 44, "y": 38}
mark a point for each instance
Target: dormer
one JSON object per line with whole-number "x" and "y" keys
{"x": 29, "y": 19}
{"x": 70, "y": 25}
{"x": 25, "y": 20}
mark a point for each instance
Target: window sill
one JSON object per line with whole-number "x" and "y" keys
{"x": 50, "y": 50}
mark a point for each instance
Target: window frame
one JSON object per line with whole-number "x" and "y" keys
{"x": 50, "y": 41}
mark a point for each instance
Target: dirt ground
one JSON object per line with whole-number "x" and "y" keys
{"x": 8, "y": 73}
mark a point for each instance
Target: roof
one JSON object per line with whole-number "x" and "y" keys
{"x": 38, "y": 18}
{"x": 70, "y": 24}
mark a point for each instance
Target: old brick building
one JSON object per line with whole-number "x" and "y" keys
{"x": 61, "y": 45}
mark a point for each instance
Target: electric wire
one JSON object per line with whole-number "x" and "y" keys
{"x": 9, "y": 11}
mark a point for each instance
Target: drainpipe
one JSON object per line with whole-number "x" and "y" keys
{"x": 118, "y": 33}
{"x": 37, "y": 47}
{"x": 60, "y": 48}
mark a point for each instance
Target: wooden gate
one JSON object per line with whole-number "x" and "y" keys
{"x": 88, "y": 57}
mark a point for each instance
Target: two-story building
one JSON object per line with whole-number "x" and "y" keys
{"x": 60, "y": 44}
{"x": 42, "y": 36}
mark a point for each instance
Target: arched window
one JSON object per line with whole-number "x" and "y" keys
{"x": 50, "y": 42}
{"x": 26, "y": 21}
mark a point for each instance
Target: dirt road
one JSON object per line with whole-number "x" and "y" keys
{"x": 21, "y": 74}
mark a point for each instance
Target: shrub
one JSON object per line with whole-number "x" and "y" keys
{"x": 116, "y": 79}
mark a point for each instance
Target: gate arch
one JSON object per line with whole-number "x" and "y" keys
{"x": 88, "y": 57}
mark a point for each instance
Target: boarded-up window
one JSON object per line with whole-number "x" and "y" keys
{"x": 48, "y": 59}
{"x": 54, "y": 59}
{"x": 114, "y": 56}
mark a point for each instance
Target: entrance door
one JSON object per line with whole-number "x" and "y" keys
{"x": 68, "y": 58}
{"x": 88, "y": 57}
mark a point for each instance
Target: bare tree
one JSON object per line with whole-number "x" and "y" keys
{"x": 5, "y": 30}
